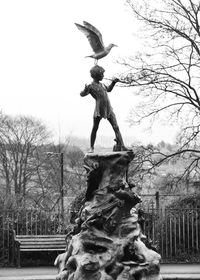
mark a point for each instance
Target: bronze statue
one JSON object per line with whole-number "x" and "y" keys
{"x": 106, "y": 241}
{"x": 103, "y": 107}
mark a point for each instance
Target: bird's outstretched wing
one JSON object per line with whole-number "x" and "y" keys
{"x": 93, "y": 35}
{"x": 94, "y": 29}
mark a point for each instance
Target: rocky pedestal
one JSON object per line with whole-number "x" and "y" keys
{"x": 107, "y": 242}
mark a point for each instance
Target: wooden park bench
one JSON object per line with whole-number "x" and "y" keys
{"x": 30, "y": 243}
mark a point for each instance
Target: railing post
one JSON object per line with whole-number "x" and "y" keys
{"x": 61, "y": 189}
{"x": 157, "y": 201}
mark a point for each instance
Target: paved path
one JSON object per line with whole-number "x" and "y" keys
{"x": 180, "y": 268}
{"x": 168, "y": 271}
{"x": 28, "y": 273}
{"x": 180, "y": 271}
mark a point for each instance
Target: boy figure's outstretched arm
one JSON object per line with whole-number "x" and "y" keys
{"x": 111, "y": 86}
{"x": 86, "y": 91}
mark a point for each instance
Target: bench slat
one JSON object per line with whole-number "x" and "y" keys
{"x": 41, "y": 241}
{"x": 44, "y": 246}
{"x": 29, "y": 243}
{"x": 40, "y": 246}
{"x": 42, "y": 249}
{"x": 40, "y": 235}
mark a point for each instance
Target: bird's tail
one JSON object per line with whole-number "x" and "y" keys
{"x": 95, "y": 60}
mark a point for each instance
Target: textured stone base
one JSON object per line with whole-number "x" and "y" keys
{"x": 107, "y": 242}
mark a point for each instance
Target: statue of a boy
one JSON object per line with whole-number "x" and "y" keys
{"x": 103, "y": 107}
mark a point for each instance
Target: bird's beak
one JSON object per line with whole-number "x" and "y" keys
{"x": 115, "y": 45}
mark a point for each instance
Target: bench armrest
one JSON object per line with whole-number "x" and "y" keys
{"x": 14, "y": 234}
{"x": 17, "y": 242}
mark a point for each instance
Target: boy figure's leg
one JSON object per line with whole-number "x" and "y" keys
{"x": 96, "y": 121}
{"x": 113, "y": 121}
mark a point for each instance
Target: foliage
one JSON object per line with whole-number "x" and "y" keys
{"x": 75, "y": 173}
{"x": 150, "y": 176}
{"x": 74, "y": 156}
{"x": 191, "y": 201}
{"x": 76, "y": 205}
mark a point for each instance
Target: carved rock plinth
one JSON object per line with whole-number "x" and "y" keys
{"x": 108, "y": 243}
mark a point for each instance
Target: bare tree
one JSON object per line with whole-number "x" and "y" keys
{"x": 19, "y": 139}
{"x": 75, "y": 172}
{"x": 52, "y": 172}
{"x": 167, "y": 74}
{"x": 32, "y": 174}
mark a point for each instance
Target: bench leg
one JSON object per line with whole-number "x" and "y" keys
{"x": 18, "y": 257}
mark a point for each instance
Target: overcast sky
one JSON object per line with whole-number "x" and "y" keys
{"x": 43, "y": 66}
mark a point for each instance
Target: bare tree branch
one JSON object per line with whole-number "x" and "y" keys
{"x": 166, "y": 76}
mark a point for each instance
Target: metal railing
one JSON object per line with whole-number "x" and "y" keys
{"x": 176, "y": 231}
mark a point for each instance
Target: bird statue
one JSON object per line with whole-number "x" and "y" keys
{"x": 95, "y": 40}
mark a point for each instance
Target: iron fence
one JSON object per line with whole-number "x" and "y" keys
{"x": 176, "y": 232}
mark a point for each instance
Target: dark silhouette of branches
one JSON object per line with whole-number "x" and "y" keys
{"x": 166, "y": 75}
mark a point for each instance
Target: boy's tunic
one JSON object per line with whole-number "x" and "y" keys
{"x": 103, "y": 107}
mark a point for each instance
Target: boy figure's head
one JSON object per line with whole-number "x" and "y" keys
{"x": 97, "y": 73}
